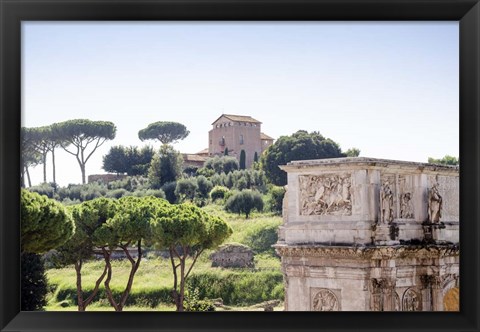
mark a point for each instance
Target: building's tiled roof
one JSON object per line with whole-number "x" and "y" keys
{"x": 238, "y": 118}
{"x": 194, "y": 157}
{"x": 204, "y": 151}
{"x": 265, "y": 136}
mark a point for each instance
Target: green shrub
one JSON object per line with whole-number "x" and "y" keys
{"x": 244, "y": 202}
{"x": 278, "y": 292}
{"x": 262, "y": 237}
{"x": 275, "y": 198}
{"x": 91, "y": 191}
{"x": 33, "y": 282}
{"x": 116, "y": 193}
{"x": 186, "y": 189}
{"x": 190, "y": 170}
{"x": 169, "y": 190}
{"x": 218, "y": 192}
{"x": 193, "y": 303}
{"x": 204, "y": 186}
{"x": 144, "y": 298}
{"x": 218, "y": 165}
{"x": 46, "y": 189}
{"x": 238, "y": 288}
{"x": 150, "y": 192}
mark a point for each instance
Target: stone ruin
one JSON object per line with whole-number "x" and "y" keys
{"x": 364, "y": 234}
{"x": 233, "y": 255}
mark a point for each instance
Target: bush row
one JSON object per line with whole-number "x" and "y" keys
{"x": 142, "y": 298}
{"x": 237, "y": 288}
{"x": 240, "y": 288}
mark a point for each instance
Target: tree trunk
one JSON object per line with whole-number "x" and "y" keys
{"x": 82, "y": 168}
{"x": 175, "y": 295}
{"x": 44, "y": 157}
{"x": 135, "y": 265}
{"x": 78, "y": 268}
{"x": 53, "y": 165}
{"x": 106, "y": 256}
{"x": 28, "y": 177}
{"x": 133, "y": 270}
{"x": 182, "y": 279}
{"x": 95, "y": 290}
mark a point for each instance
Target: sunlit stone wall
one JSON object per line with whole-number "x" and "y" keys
{"x": 369, "y": 234}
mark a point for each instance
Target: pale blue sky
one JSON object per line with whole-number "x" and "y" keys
{"x": 390, "y": 89}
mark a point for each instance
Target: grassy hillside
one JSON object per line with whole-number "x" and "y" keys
{"x": 240, "y": 289}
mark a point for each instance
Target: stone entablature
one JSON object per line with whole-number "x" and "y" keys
{"x": 364, "y": 234}
{"x": 369, "y": 252}
{"x": 352, "y": 200}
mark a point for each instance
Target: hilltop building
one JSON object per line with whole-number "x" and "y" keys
{"x": 236, "y": 133}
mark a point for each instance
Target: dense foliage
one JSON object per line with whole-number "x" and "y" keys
{"x": 352, "y": 152}
{"x": 45, "y": 224}
{"x": 166, "y": 166}
{"x": 89, "y": 217}
{"x": 299, "y": 146}
{"x": 447, "y": 160}
{"x": 240, "y": 287}
{"x": 218, "y": 192}
{"x": 275, "y": 198}
{"x": 164, "y": 131}
{"x": 186, "y": 189}
{"x": 245, "y": 202}
{"x": 219, "y": 165}
{"x": 129, "y": 226}
{"x": 153, "y": 281}
{"x": 130, "y": 160}
{"x": 33, "y": 282}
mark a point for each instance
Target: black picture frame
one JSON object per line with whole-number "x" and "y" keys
{"x": 13, "y": 12}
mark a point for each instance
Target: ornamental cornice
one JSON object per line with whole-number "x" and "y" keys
{"x": 368, "y": 252}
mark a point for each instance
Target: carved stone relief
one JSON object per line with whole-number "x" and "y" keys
{"x": 324, "y": 300}
{"x": 406, "y": 209}
{"x": 329, "y": 194}
{"x": 386, "y": 203}
{"x": 397, "y": 302}
{"x": 405, "y": 191}
{"x": 411, "y": 301}
{"x": 381, "y": 291}
{"x": 434, "y": 204}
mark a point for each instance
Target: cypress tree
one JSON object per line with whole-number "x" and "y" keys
{"x": 242, "y": 159}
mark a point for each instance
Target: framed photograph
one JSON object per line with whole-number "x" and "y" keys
{"x": 226, "y": 80}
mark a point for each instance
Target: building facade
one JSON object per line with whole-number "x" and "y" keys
{"x": 364, "y": 234}
{"x": 235, "y": 133}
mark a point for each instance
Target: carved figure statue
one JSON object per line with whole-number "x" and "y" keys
{"x": 406, "y": 206}
{"x": 411, "y": 301}
{"x": 386, "y": 203}
{"x": 434, "y": 204}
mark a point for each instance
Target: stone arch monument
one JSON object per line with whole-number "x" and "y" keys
{"x": 364, "y": 234}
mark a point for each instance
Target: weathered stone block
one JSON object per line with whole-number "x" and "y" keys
{"x": 232, "y": 255}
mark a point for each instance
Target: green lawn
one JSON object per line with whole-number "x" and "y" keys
{"x": 154, "y": 279}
